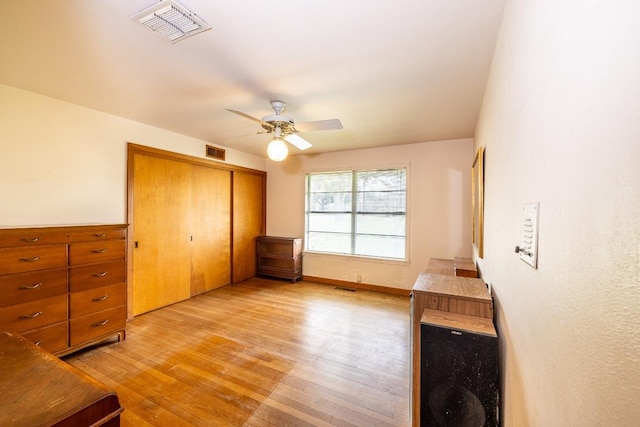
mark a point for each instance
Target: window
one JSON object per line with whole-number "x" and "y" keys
{"x": 357, "y": 212}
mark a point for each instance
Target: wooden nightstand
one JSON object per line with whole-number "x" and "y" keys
{"x": 279, "y": 257}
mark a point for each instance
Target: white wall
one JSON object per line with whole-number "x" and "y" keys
{"x": 561, "y": 126}
{"x": 439, "y": 207}
{"x": 65, "y": 164}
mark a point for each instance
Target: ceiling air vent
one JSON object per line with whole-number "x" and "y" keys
{"x": 215, "y": 152}
{"x": 171, "y": 20}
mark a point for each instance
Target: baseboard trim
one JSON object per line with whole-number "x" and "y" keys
{"x": 356, "y": 285}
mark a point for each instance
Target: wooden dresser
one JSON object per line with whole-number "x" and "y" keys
{"x": 279, "y": 257}
{"x": 63, "y": 288}
{"x": 445, "y": 295}
{"x": 38, "y": 389}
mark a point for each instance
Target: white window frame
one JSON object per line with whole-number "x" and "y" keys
{"x": 353, "y": 213}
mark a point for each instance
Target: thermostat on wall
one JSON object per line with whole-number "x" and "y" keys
{"x": 528, "y": 248}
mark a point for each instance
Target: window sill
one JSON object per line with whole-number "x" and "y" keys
{"x": 357, "y": 258}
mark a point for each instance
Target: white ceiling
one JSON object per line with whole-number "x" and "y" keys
{"x": 394, "y": 72}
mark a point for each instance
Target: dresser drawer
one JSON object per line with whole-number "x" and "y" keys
{"x": 31, "y": 237}
{"x": 33, "y": 315}
{"x": 97, "y": 325}
{"x": 82, "y": 278}
{"x": 92, "y": 300}
{"x": 89, "y": 252}
{"x": 279, "y": 246}
{"x": 52, "y": 338}
{"x": 98, "y": 234}
{"x": 24, "y": 287}
{"x": 22, "y": 259}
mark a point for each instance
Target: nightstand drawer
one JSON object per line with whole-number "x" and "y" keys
{"x": 279, "y": 246}
{"x": 93, "y": 300}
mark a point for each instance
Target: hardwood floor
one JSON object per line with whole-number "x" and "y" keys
{"x": 263, "y": 353}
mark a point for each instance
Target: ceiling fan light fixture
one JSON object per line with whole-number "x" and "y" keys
{"x": 171, "y": 20}
{"x": 277, "y": 150}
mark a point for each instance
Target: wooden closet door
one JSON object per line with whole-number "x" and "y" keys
{"x": 248, "y": 222}
{"x": 210, "y": 229}
{"x": 161, "y": 207}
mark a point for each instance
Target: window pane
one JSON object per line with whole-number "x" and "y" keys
{"x": 383, "y": 180}
{"x": 330, "y": 182}
{"x": 329, "y": 222}
{"x": 330, "y": 202}
{"x": 381, "y": 246}
{"x": 390, "y": 225}
{"x": 329, "y": 242}
{"x": 377, "y": 201}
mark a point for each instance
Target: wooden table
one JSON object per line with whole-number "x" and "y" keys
{"x": 38, "y": 389}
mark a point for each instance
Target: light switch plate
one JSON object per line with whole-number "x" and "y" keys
{"x": 529, "y": 239}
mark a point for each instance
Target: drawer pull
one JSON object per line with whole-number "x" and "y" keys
{"x": 31, "y": 240}
{"x": 38, "y": 343}
{"x": 104, "y": 273}
{"x": 35, "y": 258}
{"x": 99, "y": 251}
{"x": 31, "y": 316}
{"x": 34, "y": 286}
{"x": 102, "y": 298}
{"x": 98, "y": 324}
{"x": 100, "y": 235}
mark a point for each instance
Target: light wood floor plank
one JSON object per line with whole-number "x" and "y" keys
{"x": 263, "y": 353}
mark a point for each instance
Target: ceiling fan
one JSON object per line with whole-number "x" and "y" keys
{"x": 285, "y": 129}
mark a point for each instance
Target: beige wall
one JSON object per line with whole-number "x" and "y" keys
{"x": 439, "y": 207}
{"x": 61, "y": 163}
{"x": 65, "y": 164}
{"x": 561, "y": 126}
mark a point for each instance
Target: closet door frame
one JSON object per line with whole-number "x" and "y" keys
{"x": 132, "y": 150}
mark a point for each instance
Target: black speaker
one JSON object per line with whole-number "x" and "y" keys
{"x": 458, "y": 378}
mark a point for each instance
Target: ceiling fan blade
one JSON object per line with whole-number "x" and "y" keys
{"x": 246, "y": 116}
{"x": 297, "y": 141}
{"x": 332, "y": 124}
